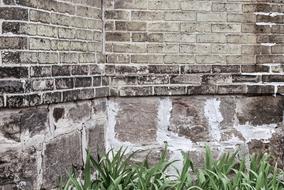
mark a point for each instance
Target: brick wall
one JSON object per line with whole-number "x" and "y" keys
{"x": 59, "y": 59}
{"x": 51, "y": 51}
{"x": 55, "y": 51}
{"x": 195, "y": 47}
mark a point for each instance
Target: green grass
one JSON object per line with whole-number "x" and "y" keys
{"x": 114, "y": 171}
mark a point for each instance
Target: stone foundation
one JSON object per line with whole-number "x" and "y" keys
{"x": 39, "y": 144}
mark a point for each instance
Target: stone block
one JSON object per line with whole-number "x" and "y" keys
{"x": 137, "y": 120}
{"x": 60, "y": 155}
{"x": 271, "y": 110}
{"x": 18, "y": 169}
{"x": 188, "y": 119}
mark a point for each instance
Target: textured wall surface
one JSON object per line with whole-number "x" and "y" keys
{"x": 195, "y": 47}
{"x": 77, "y": 74}
{"x": 50, "y": 51}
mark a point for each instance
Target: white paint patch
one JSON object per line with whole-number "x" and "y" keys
{"x": 112, "y": 110}
{"x": 265, "y": 24}
{"x": 110, "y": 135}
{"x": 272, "y": 14}
{"x": 260, "y": 132}
{"x": 214, "y": 116}
{"x": 268, "y": 44}
{"x": 84, "y": 143}
{"x": 175, "y": 142}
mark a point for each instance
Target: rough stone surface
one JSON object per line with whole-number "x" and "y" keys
{"x": 60, "y": 154}
{"x": 188, "y": 119}
{"x": 18, "y": 169}
{"x": 137, "y": 117}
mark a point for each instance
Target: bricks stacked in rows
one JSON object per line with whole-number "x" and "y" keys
{"x": 132, "y": 80}
{"x": 182, "y": 32}
{"x": 194, "y": 32}
{"x": 50, "y": 51}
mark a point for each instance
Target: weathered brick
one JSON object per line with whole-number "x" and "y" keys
{"x": 8, "y": 86}
{"x": 69, "y": 57}
{"x": 232, "y": 89}
{"x": 202, "y": 90}
{"x": 211, "y": 17}
{"x": 51, "y": 97}
{"x": 227, "y": 7}
{"x": 196, "y": 5}
{"x": 64, "y": 83}
{"x": 73, "y": 95}
{"x": 261, "y": 89}
{"x": 116, "y": 36}
{"x": 186, "y": 79}
{"x": 102, "y": 92}
{"x": 48, "y": 31}
{"x": 169, "y": 90}
{"x": 273, "y": 78}
{"x": 217, "y": 79}
{"x": 246, "y": 78}
{"x": 165, "y": 4}
{"x": 79, "y": 70}
{"x": 211, "y": 38}
{"x": 196, "y": 48}
{"x": 39, "y": 85}
{"x": 39, "y": 44}
{"x": 130, "y": 26}
{"x": 83, "y": 82}
{"x": 129, "y": 4}
{"x": 226, "y": 28}
{"x": 19, "y": 28}
{"x": 61, "y": 70}
{"x": 210, "y": 59}
{"x": 13, "y": 42}
{"x": 41, "y": 71}
{"x": 188, "y": 69}
{"x": 179, "y": 59}
{"x": 23, "y": 100}
{"x": 226, "y": 68}
{"x": 117, "y": 14}
{"x": 163, "y": 27}
{"x": 13, "y": 72}
{"x": 163, "y": 69}
{"x": 156, "y": 59}
{"x": 147, "y": 15}
{"x": 13, "y": 13}
{"x": 180, "y": 16}
{"x": 153, "y": 79}
{"x": 47, "y": 57}
{"x": 88, "y": 12}
{"x": 129, "y": 69}
{"x": 136, "y": 91}
{"x": 40, "y": 16}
